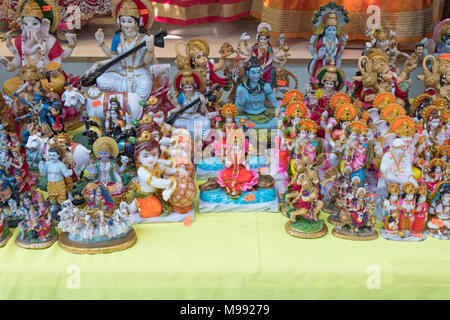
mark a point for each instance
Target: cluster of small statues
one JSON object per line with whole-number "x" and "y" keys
{"x": 123, "y": 144}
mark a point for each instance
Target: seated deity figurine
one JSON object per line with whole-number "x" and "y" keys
{"x": 132, "y": 74}
{"x": 164, "y": 193}
{"x": 438, "y": 224}
{"x": 251, "y": 96}
{"x": 357, "y": 217}
{"x": 237, "y": 175}
{"x": 208, "y": 166}
{"x": 237, "y": 187}
{"x": 195, "y": 119}
{"x": 105, "y": 171}
{"x": 36, "y": 45}
{"x": 37, "y": 231}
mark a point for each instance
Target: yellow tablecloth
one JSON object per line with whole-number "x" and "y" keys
{"x": 231, "y": 256}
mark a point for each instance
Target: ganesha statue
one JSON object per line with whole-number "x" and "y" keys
{"x": 36, "y": 45}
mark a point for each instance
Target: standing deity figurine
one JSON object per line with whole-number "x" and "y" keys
{"x": 55, "y": 171}
{"x": 328, "y": 42}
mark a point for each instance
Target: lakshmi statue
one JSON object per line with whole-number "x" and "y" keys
{"x": 132, "y": 74}
{"x": 36, "y": 45}
{"x": 330, "y": 81}
{"x": 354, "y": 156}
{"x": 237, "y": 175}
{"x": 251, "y": 96}
{"x": 328, "y": 43}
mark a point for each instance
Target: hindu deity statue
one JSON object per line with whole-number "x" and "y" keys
{"x": 396, "y": 165}
{"x": 105, "y": 171}
{"x": 132, "y": 74}
{"x": 160, "y": 186}
{"x": 435, "y": 174}
{"x": 302, "y": 200}
{"x": 55, "y": 171}
{"x": 391, "y": 212}
{"x": 5, "y": 234}
{"x": 237, "y": 175}
{"x": 407, "y": 208}
{"x": 263, "y": 50}
{"x": 196, "y": 119}
{"x": 251, "y": 96}
{"x": 37, "y": 231}
{"x": 357, "y": 217}
{"x": 438, "y": 224}
{"x": 328, "y": 42}
{"x": 441, "y": 37}
{"x": 330, "y": 81}
{"x": 420, "y": 212}
{"x": 376, "y": 76}
{"x": 36, "y": 45}
{"x": 354, "y": 155}
{"x": 196, "y": 60}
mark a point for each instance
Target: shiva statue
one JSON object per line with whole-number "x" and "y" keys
{"x": 251, "y": 96}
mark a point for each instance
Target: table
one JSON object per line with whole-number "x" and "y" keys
{"x": 231, "y": 256}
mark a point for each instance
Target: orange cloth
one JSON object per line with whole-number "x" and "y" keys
{"x": 412, "y": 20}
{"x": 149, "y": 207}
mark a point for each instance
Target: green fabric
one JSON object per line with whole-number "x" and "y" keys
{"x": 231, "y": 256}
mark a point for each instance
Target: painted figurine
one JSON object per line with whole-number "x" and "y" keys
{"x": 302, "y": 201}
{"x": 357, "y": 217}
{"x": 157, "y": 184}
{"x": 37, "y": 230}
{"x": 438, "y": 224}
{"x": 95, "y": 231}
{"x": 237, "y": 187}
{"x": 5, "y": 234}
{"x": 55, "y": 171}
{"x": 36, "y": 45}
{"x": 197, "y": 61}
{"x": 133, "y": 73}
{"x": 196, "y": 118}
{"x": 105, "y": 171}
{"x": 328, "y": 42}
{"x": 263, "y": 50}
{"x": 251, "y": 95}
